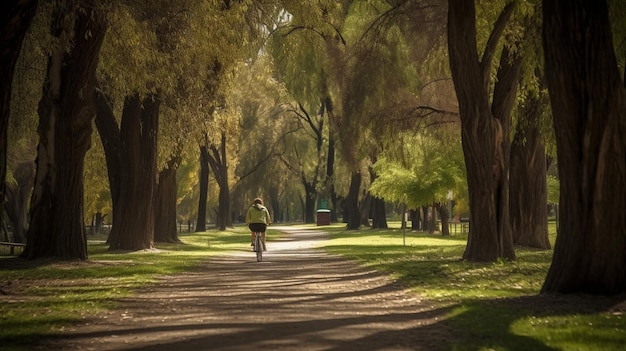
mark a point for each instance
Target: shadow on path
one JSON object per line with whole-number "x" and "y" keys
{"x": 297, "y": 298}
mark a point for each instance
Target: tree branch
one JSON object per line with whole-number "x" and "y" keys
{"x": 494, "y": 37}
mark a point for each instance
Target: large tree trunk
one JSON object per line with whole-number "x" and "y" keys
{"x": 133, "y": 218}
{"x": 484, "y": 130}
{"x": 204, "y": 189}
{"x": 66, "y": 112}
{"x": 15, "y": 19}
{"x": 218, "y": 162}
{"x": 352, "y": 202}
{"x": 165, "y": 205}
{"x": 588, "y": 102}
{"x": 528, "y": 188}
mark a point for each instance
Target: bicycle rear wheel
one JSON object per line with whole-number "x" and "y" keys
{"x": 258, "y": 246}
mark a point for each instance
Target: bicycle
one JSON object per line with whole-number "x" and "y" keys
{"x": 258, "y": 246}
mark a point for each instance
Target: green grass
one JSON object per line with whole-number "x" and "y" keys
{"x": 46, "y": 295}
{"x": 493, "y": 306}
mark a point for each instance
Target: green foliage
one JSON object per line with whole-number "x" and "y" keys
{"x": 424, "y": 172}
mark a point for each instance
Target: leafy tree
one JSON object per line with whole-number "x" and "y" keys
{"x": 307, "y": 47}
{"x": 588, "y": 99}
{"x": 485, "y": 125}
{"x": 423, "y": 172}
{"x": 65, "y": 117}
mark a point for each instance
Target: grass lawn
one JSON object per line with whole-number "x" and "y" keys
{"x": 492, "y": 306}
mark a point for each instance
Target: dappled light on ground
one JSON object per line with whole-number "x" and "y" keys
{"x": 297, "y": 298}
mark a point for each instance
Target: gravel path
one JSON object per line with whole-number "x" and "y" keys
{"x": 298, "y": 298}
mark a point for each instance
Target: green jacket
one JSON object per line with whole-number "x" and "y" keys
{"x": 258, "y": 214}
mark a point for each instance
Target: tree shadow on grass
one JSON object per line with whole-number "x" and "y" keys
{"x": 487, "y": 324}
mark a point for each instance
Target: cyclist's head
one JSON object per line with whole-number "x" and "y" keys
{"x": 258, "y": 200}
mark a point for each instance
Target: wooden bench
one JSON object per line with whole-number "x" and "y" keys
{"x": 12, "y": 246}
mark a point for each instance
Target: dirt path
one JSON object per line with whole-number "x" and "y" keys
{"x": 298, "y": 298}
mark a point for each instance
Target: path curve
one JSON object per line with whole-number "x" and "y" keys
{"x": 298, "y": 298}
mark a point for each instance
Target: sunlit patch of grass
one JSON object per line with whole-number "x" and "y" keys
{"x": 575, "y": 331}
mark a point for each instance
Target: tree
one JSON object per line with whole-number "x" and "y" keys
{"x": 588, "y": 99}
{"x": 269, "y": 125}
{"x": 306, "y": 159}
{"x": 422, "y": 172}
{"x": 133, "y": 217}
{"x": 528, "y": 186}
{"x": 218, "y": 159}
{"x": 66, "y": 113}
{"x": 203, "y": 188}
{"x": 307, "y": 51}
{"x": 165, "y": 204}
{"x": 484, "y": 127}
{"x": 15, "y": 18}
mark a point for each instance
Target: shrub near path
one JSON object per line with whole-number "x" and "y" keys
{"x": 298, "y": 298}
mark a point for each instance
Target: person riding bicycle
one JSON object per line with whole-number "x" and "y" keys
{"x": 258, "y": 218}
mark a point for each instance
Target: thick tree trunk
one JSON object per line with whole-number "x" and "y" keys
{"x": 66, "y": 112}
{"x": 352, "y": 202}
{"x": 165, "y": 205}
{"x": 204, "y": 189}
{"x": 133, "y": 218}
{"x": 484, "y": 130}
{"x": 15, "y": 19}
{"x": 588, "y": 100}
{"x": 528, "y": 188}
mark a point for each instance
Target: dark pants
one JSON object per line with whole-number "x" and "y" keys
{"x": 258, "y": 227}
